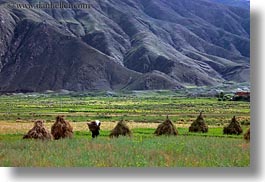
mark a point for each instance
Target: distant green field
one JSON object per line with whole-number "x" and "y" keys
{"x": 212, "y": 149}
{"x": 141, "y": 108}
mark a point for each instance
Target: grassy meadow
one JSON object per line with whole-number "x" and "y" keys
{"x": 143, "y": 111}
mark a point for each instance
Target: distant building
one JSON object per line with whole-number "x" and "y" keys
{"x": 242, "y": 93}
{"x": 242, "y": 96}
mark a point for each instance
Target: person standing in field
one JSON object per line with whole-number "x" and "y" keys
{"x": 94, "y": 127}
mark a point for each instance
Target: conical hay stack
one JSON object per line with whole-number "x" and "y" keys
{"x": 166, "y": 128}
{"x": 199, "y": 125}
{"x": 247, "y": 135}
{"x": 61, "y": 128}
{"x": 233, "y": 128}
{"x": 121, "y": 129}
{"x": 38, "y": 132}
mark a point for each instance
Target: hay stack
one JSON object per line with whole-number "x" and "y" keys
{"x": 199, "y": 125}
{"x": 233, "y": 128}
{"x": 121, "y": 129}
{"x": 247, "y": 135}
{"x": 166, "y": 128}
{"x": 38, "y": 132}
{"x": 61, "y": 128}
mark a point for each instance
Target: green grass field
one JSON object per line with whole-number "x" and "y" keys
{"x": 143, "y": 113}
{"x": 181, "y": 151}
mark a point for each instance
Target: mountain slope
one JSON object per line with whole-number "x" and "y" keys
{"x": 131, "y": 44}
{"x": 237, "y": 3}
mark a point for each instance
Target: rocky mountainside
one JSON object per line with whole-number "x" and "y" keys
{"x": 122, "y": 44}
{"x": 237, "y": 3}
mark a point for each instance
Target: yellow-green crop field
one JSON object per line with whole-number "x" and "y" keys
{"x": 143, "y": 114}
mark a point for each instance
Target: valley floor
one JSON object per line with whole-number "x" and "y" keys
{"x": 143, "y": 149}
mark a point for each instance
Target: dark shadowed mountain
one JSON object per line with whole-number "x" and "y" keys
{"x": 122, "y": 44}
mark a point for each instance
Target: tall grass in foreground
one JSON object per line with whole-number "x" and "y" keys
{"x": 180, "y": 151}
